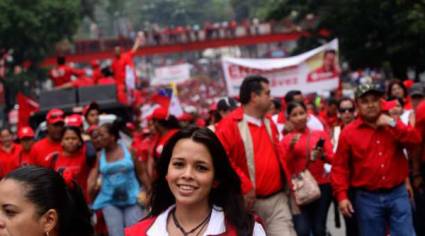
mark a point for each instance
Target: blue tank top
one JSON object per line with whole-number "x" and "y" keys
{"x": 119, "y": 183}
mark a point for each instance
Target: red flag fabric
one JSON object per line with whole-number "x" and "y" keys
{"x": 27, "y": 107}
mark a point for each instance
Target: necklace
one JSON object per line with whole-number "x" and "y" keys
{"x": 184, "y": 232}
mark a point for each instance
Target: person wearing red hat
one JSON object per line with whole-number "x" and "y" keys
{"x": 72, "y": 157}
{"x": 43, "y": 148}
{"x": 164, "y": 126}
{"x": 26, "y": 139}
{"x": 9, "y": 152}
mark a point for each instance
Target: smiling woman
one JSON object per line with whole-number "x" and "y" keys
{"x": 197, "y": 192}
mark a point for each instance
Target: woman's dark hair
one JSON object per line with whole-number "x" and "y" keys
{"x": 292, "y": 105}
{"x": 170, "y": 123}
{"x": 76, "y": 130}
{"x": 227, "y": 195}
{"x": 113, "y": 129}
{"x": 396, "y": 82}
{"x": 251, "y": 83}
{"x": 47, "y": 190}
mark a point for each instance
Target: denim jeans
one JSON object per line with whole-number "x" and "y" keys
{"x": 312, "y": 220}
{"x": 376, "y": 211}
{"x": 117, "y": 218}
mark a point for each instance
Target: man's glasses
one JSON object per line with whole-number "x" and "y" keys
{"x": 343, "y": 110}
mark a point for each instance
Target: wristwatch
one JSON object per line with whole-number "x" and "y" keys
{"x": 392, "y": 122}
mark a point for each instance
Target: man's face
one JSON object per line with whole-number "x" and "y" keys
{"x": 369, "y": 107}
{"x": 346, "y": 111}
{"x": 54, "y": 131}
{"x": 329, "y": 60}
{"x": 263, "y": 100}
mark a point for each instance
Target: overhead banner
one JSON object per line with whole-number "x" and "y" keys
{"x": 314, "y": 71}
{"x": 168, "y": 74}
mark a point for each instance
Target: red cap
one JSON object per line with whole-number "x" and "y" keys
{"x": 159, "y": 113}
{"x": 185, "y": 117}
{"x": 74, "y": 120}
{"x": 25, "y": 132}
{"x": 55, "y": 116}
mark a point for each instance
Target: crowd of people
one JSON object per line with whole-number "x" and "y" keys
{"x": 257, "y": 166}
{"x": 246, "y": 165}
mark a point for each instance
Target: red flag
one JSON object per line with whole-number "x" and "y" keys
{"x": 27, "y": 107}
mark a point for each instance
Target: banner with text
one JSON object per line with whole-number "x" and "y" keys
{"x": 167, "y": 74}
{"x": 314, "y": 71}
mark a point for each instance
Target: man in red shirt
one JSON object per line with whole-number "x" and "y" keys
{"x": 26, "y": 138}
{"x": 45, "y": 147}
{"x": 61, "y": 74}
{"x": 9, "y": 152}
{"x": 370, "y": 159}
{"x": 122, "y": 67}
{"x": 251, "y": 142}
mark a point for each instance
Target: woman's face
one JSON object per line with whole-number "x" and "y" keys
{"x": 397, "y": 91}
{"x": 18, "y": 216}
{"x": 93, "y": 117}
{"x": 190, "y": 173}
{"x": 70, "y": 141}
{"x": 298, "y": 117}
{"x": 105, "y": 137}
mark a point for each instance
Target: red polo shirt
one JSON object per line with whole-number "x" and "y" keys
{"x": 76, "y": 164}
{"x": 42, "y": 149}
{"x": 267, "y": 171}
{"x": 296, "y": 156}
{"x": 371, "y": 158}
{"x": 9, "y": 161}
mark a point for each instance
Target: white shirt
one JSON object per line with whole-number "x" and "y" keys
{"x": 216, "y": 224}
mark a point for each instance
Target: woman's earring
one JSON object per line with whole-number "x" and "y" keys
{"x": 47, "y": 233}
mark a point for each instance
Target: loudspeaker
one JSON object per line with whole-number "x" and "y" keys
{"x": 101, "y": 94}
{"x": 64, "y": 99}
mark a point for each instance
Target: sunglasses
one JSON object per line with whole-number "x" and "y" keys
{"x": 343, "y": 110}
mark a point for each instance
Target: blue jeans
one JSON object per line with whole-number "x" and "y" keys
{"x": 378, "y": 210}
{"x": 117, "y": 218}
{"x": 312, "y": 220}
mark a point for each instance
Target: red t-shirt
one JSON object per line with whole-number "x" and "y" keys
{"x": 41, "y": 151}
{"x": 83, "y": 82}
{"x": 62, "y": 74}
{"x": 75, "y": 164}
{"x": 24, "y": 158}
{"x": 9, "y": 161}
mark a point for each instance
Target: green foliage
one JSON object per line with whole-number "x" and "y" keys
{"x": 31, "y": 28}
{"x": 371, "y": 32}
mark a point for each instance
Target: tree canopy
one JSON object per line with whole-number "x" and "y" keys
{"x": 31, "y": 28}
{"x": 371, "y": 33}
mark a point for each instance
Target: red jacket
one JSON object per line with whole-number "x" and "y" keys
{"x": 141, "y": 228}
{"x": 227, "y": 131}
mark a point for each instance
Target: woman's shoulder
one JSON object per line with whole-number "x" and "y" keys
{"x": 141, "y": 228}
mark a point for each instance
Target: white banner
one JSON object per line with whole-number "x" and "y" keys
{"x": 167, "y": 74}
{"x": 314, "y": 71}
